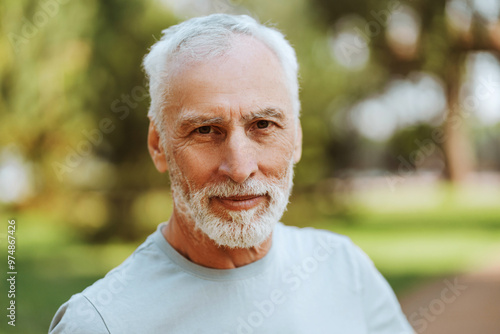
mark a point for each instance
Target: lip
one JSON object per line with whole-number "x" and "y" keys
{"x": 238, "y": 203}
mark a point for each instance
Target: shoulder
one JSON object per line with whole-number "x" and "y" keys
{"x": 88, "y": 311}
{"x": 342, "y": 258}
{"x": 142, "y": 260}
{"x": 309, "y": 232}
{"x": 77, "y": 316}
{"x": 307, "y": 238}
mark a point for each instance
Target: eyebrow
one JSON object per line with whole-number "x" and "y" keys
{"x": 194, "y": 119}
{"x": 269, "y": 112}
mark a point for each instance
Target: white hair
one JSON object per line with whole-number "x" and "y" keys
{"x": 206, "y": 37}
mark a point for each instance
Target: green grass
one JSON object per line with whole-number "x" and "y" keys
{"x": 410, "y": 244}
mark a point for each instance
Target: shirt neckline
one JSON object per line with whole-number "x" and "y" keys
{"x": 244, "y": 272}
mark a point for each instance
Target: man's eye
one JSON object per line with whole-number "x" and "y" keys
{"x": 204, "y": 130}
{"x": 263, "y": 124}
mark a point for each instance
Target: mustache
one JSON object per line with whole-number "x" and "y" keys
{"x": 251, "y": 187}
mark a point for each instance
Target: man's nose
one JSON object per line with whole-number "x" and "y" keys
{"x": 239, "y": 157}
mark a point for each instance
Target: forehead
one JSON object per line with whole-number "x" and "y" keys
{"x": 248, "y": 78}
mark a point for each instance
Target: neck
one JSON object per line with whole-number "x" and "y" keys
{"x": 195, "y": 246}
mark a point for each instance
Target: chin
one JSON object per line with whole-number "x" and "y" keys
{"x": 242, "y": 230}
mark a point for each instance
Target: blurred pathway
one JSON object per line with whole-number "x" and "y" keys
{"x": 467, "y": 304}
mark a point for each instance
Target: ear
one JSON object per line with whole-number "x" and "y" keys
{"x": 156, "y": 150}
{"x": 297, "y": 150}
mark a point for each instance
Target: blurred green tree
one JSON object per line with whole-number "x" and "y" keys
{"x": 74, "y": 100}
{"x": 447, "y": 32}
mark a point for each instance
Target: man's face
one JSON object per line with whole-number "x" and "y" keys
{"x": 231, "y": 140}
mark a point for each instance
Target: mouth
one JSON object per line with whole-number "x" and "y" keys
{"x": 237, "y": 203}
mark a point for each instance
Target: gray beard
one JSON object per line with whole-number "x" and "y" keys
{"x": 233, "y": 229}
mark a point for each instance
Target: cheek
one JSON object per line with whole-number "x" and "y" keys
{"x": 275, "y": 159}
{"x": 196, "y": 164}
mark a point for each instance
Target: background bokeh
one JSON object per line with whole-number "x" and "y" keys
{"x": 400, "y": 112}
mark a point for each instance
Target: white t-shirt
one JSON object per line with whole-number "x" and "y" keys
{"x": 311, "y": 281}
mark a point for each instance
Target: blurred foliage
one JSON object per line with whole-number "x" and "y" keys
{"x": 440, "y": 48}
{"x": 412, "y": 146}
{"x": 74, "y": 102}
{"x": 488, "y": 143}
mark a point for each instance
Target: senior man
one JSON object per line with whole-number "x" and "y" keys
{"x": 225, "y": 125}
